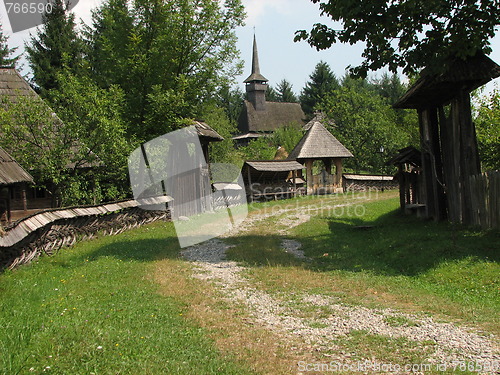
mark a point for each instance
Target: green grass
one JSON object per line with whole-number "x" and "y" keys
{"x": 370, "y": 254}
{"x": 93, "y": 309}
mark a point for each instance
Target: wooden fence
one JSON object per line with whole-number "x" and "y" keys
{"x": 485, "y": 196}
{"x": 48, "y": 231}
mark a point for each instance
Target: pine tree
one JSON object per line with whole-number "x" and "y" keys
{"x": 55, "y": 48}
{"x": 322, "y": 81}
{"x": 285, "y": 93}
{"x": 6, "y": 58}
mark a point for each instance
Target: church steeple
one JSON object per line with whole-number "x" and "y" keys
{"x": 256, "y": 85}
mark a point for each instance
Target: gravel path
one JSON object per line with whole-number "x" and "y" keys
{"x": 446, "y": 343}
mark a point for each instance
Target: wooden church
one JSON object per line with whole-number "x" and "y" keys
{"x": 260, "y": 117}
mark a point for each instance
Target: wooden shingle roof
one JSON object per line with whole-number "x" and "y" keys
{"x": 432, "y": 90}
{"x": 206, "y": 132}
{"x": 275, "y": 116}
{"x": 319, "y": 143}
{"x": 12, "y": 85}
{"x": 10, "y": 170}
{"x": 274, "y": 165}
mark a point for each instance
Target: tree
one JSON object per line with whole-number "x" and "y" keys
{"x": 488, "y": 130}
{"x": 173, "y": 54}
{"x": 6, "y": 58}
{"x": 285, "y": 92}
{"x": 408, "y": 34}
{"x": 364, "y": 122}
{"x": 271, "y": 94}
{"x": 56, "y": 47}
{"x": 322, "y": 81}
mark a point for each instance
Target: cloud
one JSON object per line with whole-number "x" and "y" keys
{"x": 256, "y": 8}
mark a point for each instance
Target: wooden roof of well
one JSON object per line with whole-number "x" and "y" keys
{"x": 275, "y": 116}
{"x": 11, "y": 171}
{"x": 319, "y": 143}
{"x": 432, "y": 90}
{"x": 13, "y": 85}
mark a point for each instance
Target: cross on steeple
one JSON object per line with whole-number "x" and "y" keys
{"x": 256, "y": 83}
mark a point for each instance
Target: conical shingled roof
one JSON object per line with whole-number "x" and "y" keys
{"x": 319, "y": 143}
{"x": 255, "y": 76}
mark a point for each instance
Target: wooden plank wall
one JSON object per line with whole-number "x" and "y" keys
{"x": 485, "y": 199}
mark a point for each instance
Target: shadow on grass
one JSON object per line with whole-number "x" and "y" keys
{"x": 392, "y": 244}
{"x": 395, "y": 244}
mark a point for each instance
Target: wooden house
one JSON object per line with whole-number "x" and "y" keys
{"x": 270, "y": 179}
{"x": 13, "y": 87}
{"x": 260, "y": 117}
{"x": 449, "y": 154}
{"x": 13, "y": 177}
{"x": 318, "y": 144}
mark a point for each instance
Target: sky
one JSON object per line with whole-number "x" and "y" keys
{"x": 274, "y": 23}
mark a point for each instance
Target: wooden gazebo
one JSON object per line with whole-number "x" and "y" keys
{"x": 11, "y": 174}
{"x": 449, "y": 154}
{"x": 319, "y": 144}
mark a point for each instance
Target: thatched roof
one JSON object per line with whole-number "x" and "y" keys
{"x": 275, "y": 116}
{"x": 10, "y": 170}
{"x": 432, "y": 90}
{"x": 319, "y": 143}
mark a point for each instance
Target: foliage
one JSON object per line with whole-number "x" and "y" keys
{"x": 407, "y": 34}
{"x": 287, "y": 137}
{"x": 176, "y": 53}
{"x": 285, "y": 92}
{"x": 6, "y": 58}
{"x": 321, "y": 82}
{"x": 224, "y": 151}
{"x": 230, "y": 99}
{"x": 94, "y": 115}
{"x": 364, "y": 122}
{"x": 55, "y": 48}
{"x": 488, "y": 130}
{"x": 40, "y": 141}
{"x": 258, "y": 149}
{"x": 271, "y": 94}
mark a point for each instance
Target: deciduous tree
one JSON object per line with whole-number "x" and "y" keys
{"x": 408, "y": 34}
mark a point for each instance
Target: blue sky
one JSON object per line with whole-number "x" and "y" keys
{"x": 275, "y": 23}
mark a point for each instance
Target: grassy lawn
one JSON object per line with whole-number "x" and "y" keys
{"x": 127, "y": 304}
{"x": 378, "y": 257}
{"x": 94, "y": 309}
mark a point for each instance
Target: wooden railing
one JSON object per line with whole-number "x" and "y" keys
{"x": 46, "y": 232}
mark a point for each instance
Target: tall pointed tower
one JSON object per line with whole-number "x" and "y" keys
{"x": 256, "y": 83}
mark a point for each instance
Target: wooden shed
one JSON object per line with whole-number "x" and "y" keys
{"x": 11, "y": 174}
{"x": 270, "y": 179}
{"x": 319, "y": 144}
{"x": 449, "y": 154}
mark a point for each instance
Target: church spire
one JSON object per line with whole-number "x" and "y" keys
{"x": 255, "y": 76}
